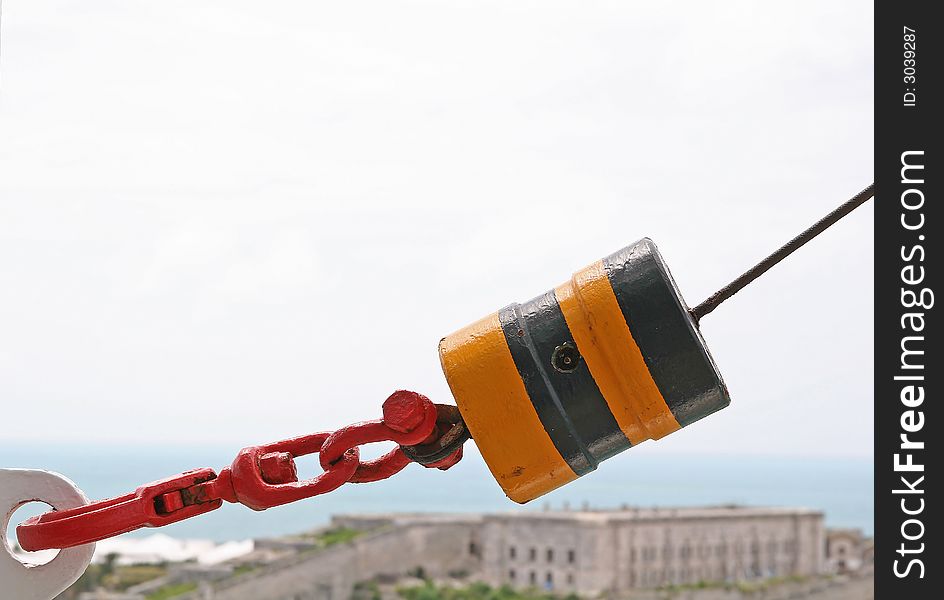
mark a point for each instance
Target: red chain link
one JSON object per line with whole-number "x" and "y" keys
{"x": 261, "y": 477}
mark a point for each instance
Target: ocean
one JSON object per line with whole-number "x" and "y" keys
{"x": 840, "y": 487}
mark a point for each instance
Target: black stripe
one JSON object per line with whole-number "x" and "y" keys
{"x": 543, "y": 397}
{"x": 570, "y": 405}
{"x": 665, "y": 332}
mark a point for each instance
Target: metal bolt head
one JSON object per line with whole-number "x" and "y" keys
{"x": 565, "y": 358}
{"x": 404, "y": 411}
{"x": 278, "y": 468}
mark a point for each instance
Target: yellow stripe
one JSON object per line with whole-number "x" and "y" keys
{"x": 498, "y": 412}
{"x": 595, "y": 320}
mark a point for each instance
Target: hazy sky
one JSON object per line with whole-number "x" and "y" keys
{"x": 239, "y": 221}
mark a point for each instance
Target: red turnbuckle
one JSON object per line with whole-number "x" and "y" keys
{"x": 265, "y": 476}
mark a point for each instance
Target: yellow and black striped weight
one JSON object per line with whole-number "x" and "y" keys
{"x": 551, "y": 387}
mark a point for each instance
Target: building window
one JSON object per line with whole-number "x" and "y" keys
{"x": 549, "y": 580}
{"x": 533, "y": 554}
{"x": 512, "y": 575}
{"x": 632, "y": 556}
{"x": 572, "y": 556}
{"x": 513, "y": 553}
{"x": 533, "y": 578}
{"x": 473, "y": 549}
{"x": 570, "y": 579}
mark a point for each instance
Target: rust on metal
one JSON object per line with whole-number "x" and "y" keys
{"x": 451, "y": 433}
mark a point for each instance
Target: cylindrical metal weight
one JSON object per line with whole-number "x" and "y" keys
{"x": 609, "y": 359}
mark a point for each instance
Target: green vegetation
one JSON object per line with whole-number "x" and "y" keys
{"x": 745, "y": 587}
{"x": 750, "y": 587}
{"x": 337, "y": 535}
{"x": 244, "y": 569}
{"x": 366, "y": 590}
{"x": 700, "y": 585}
{"x": 112, "y": 577}
{"x": 171, "y": 591}
{"x": 475, "y": 591}
{"x": 329, "y": 537}
{"x": 121, "y": 578}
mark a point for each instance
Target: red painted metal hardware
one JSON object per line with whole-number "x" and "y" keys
{"x": 108, "y": 518}
{"x": 260, "y": 477}
{"x": 251, "y": 488}
{"x": 439, "y": 452}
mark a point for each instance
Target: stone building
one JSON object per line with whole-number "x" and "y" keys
{"x": 592, "y": 551}
{"x": 847, "y": 550}
{"x": 589, "y": 552}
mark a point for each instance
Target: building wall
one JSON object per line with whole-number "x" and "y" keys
{"x": 594, "y": 555}
{"x": 547, "y": 554}
{"x": 584, "y": 552}
{"x": 845, "y": 550}
{"x": 689, "y": 550}
{"x": 441, "y": 548}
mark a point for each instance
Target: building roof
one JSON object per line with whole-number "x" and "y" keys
{"x": 662, "y": 513}
{"x": 629, "y": 513}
